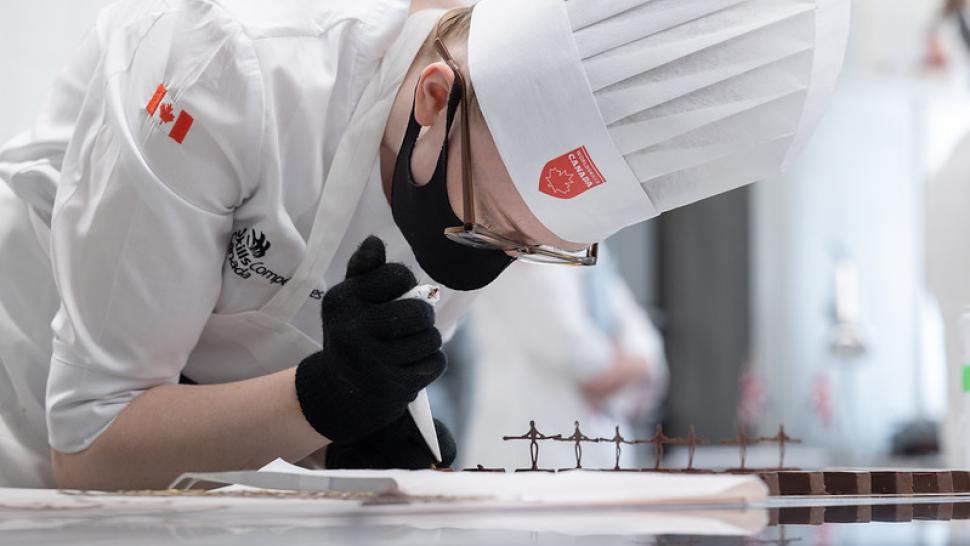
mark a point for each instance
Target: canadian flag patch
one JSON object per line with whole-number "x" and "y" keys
{"x": 570, "y": 175}
{"x": 178, "y": 122}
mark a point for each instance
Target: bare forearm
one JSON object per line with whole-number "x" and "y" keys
{"x": 179, "y": 428}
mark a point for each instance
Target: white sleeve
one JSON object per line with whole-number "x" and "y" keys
{"x": 540, "y": 311}
{"x": 140, "y": 227}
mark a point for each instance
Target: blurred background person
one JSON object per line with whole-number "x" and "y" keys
{"x": 559, "y": 345}
{"x": 948, "y": 45}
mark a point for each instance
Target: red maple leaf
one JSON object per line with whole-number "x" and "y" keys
{"x": 559, "y": 181}
{"x": 166, "y": 113}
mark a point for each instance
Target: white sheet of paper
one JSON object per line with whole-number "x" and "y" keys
{"x": 45, "y": 509}
{"x": 584, "y": 488}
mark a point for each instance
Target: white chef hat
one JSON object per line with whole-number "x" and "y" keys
{"x": 609, "y": 112}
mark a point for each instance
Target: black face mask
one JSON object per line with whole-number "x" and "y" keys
{"x": 422, "y": 213}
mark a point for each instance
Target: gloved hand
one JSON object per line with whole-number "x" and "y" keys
{"x": 398, "y": 446}
{"x": 378, "y": 353}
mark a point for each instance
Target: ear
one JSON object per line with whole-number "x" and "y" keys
{"x": 434, "y": 88}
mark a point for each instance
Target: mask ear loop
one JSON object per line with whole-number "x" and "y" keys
{"x": 454, "y": 101}
{"x": 414, "y": 130}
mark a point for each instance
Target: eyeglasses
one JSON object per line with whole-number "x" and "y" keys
{"x": 475, "y": 235}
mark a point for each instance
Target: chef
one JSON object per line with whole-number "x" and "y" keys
{"x": 207, "y": 233}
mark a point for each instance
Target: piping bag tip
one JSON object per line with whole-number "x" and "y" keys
{"x": 420, "y": 409}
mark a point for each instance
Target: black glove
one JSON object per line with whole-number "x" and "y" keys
{"x": 398, "y": 445}
{"x": 378, "y": 353}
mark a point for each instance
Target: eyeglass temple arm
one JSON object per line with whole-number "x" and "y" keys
{"x": 466, "y": 149}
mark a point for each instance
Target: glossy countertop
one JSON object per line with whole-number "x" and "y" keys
{"x": 81, "y": 519}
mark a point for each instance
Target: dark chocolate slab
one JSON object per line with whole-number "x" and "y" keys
{"x": 848, "y": 483}
{"x": 771, "y": 480}
{"x": 932, "y": 482}
{"x": 890, "y": 482}
{"x": 961, "y": 481}
{"x": 800, "y": 483}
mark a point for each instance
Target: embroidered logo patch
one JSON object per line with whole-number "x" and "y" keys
{"x": 570, "y": 175}
{"x": 246, "y": 257}
{"x": 245, "y": 254}
{"x": 177, "y": 122}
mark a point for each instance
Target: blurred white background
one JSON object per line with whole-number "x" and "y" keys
{"x": 845, "y": 233}
{"x": 37, "y": 38}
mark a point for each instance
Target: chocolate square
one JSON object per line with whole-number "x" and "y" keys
{"x": 892, "y": 483}
{"x": 932, "y": 482}
{"x": 771, "y": 480}
{"x": 961, "y": 481}
{"x": 847, "y": 483}
{"x": 800, "y": 483}
{"x": 926, "y": 482}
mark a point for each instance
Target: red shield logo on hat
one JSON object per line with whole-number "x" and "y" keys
{"x": 570, "y": 174}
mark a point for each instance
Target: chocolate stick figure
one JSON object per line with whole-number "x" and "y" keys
{"x": 690, "y": 441}
{"x": 578, "y": 438}
{"x": 782, "y": 439}
{"x": 619, "y": 440}
{"x": 533, "y": 436}
{"x": 742, "y": 443}
{"x": 691, "y": 447}
{"x": 658, "y": 441}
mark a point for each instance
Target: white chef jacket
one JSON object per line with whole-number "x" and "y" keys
{"x": 197, "y": 137}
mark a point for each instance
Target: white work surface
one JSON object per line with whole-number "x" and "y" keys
{"x": 86, "y": 519}
{"x": 471, "y": 509}
{"x": 28, "y": 516}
